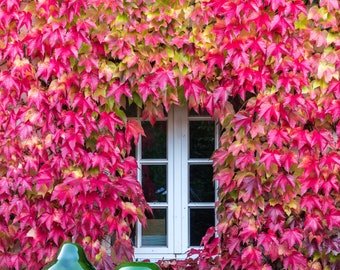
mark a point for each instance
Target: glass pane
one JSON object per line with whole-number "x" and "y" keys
{"x": 154, "y": 143}
{"x": 202, "y": 139}
{"x": 154, "y": 183}
{"x": 155, "y": 233}
{"x": 200, "y": 221}
{"x": 201, "y": 183}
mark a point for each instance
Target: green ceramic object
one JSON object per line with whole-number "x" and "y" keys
{"x": 70, "y": 256}
{"x": 137, "y": 266}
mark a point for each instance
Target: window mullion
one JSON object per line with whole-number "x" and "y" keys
{"x": 139, "y": 177}
{"x": 170, "y": 175}
{"x": 181, "y": 179}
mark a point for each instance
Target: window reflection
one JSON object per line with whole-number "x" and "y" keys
{"x": 154, "y": 143}
{"x": 202, "y": 139}
{"x": 155, "y": 233}
{"x": 200, "y": 221}
{"x": 201, "y": 184}
{"x": 154, "y": 183}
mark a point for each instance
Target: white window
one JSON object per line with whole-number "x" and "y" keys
{"x": 176, "y": 175}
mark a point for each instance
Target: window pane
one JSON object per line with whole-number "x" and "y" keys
{"x": 154, "y": 143}
{"x": 201, "y": 184}
{"x": 202, "y": 139}
{"x": 155, "y": 233}
{"x": 200, "y": 221}
{"x": 154, "y": 183}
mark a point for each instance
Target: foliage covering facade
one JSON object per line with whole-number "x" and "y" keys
{"x": 267, "y": 70}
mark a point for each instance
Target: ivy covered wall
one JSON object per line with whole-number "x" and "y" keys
{"x": 267, "y": 70}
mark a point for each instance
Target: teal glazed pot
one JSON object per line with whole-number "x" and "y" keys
{"x": 70, "y": 256}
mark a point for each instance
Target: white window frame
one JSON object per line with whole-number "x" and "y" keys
{"x": 177, "y": 204}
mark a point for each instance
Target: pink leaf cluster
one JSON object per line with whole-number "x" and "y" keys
{"x": 267, "y": 71}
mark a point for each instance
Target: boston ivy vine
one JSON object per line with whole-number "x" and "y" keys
{"x": 267, "y": 70}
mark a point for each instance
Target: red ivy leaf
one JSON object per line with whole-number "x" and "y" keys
{"x": 219, "y": 156}
{"x": 100, "y": 160}
{"x": 65, "y": 52}
{"x": 89, "y": 78}
{"x": 251, "y": 255}
{"x": 133, "y": 130}
{"x": 62, "y": 193}
{"x": 5, "y": 211}
{"x": 180, "y": 41}
{"x": 106, "y": 262}
{"x": 288, "y": 159}
{"x": 283, "y": 180}
{"x": 194, "y": 88}
{"x": 48, "y": 218}
{"x": 310, "y": 164}
{"x": 331, "y": 160}
{"x": 109, "y": 120}
{"x": 6, "y": 260}
{"x": 245, "y": 159}
{"x": 92, "y": 218}
{"x": 248, "y": 230}
{"x": 270, "y": 243}
{"x": 331, "y": 183}
{"x": 105, "y": 142}
{"x": 13, "y": 50}
{"x": 321, "y": 139}
{"x": 118, "y": 89}
{"x": 122, "y": 250}
{"x": 242, "y": 119}
{"x": 160, "y": 79}
{"x": 79, "y": 185}
{"x": 74, "y": 119}
{"x": 256, "y": 129}
{"x": 310, "y": 182}
{"x": 280, "y": 23}
{"x": 7, "y": 81}
{"x": 274, "y": 213}
{"x": 153, "y": 39}
{"x": 334, "y": 87}
{"x": 44, "y": 180}
{"x": 57, "y": 235}
{"x": 269, "y": 157}
{"x": 215, "y": 59}
{"x": 270, "y": 112}
{"x": 11, "y": 5}
{"x": 17, "y": 260}
{"x": 295, "y": 261}
{"x": 292, "y": 237}
{"x": 310, "y": 202}
{"x": 299, "y": 138}
{"x": 225, "y": 180}
{"x": 276, "y": 50}
{"x": 88, "y": 62}
{"x": 333, "y": 218}
{"x": 145, "y": 90}
{"x": 233, "y": 243}
{"x": 278, "y": 136}
{"x": 312, "y": 223}
{"x": 71, "y": 142}
{"x": 84, "y": 104}
{"x": 252, "y": 187}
